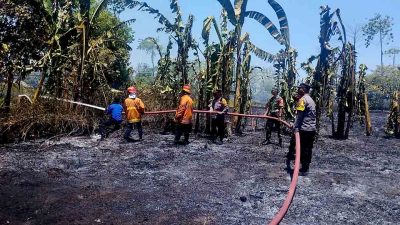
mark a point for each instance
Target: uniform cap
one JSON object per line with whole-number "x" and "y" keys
{"x": 305, "y": 86}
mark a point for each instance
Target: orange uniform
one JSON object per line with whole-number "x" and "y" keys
{"x": 134, "y": 108}
{"x": 184, "y": 112}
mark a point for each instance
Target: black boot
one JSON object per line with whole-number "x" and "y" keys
{"x": 304, "y": 169}
{"x": 290, "y": 156}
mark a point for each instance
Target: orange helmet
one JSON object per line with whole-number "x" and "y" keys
{"x": 131, "y": 89}
{"x": 186, "y": 88}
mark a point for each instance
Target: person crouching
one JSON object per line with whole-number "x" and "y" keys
{"x": 115, "y": 112}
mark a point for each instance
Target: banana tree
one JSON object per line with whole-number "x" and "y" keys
{"x": 218, "y": 58}
{"x": 77, "y": 45}
{"x": 236, "y": 14}
{"x": 362, "y": 100}
{"x": 287, "y": 62}
{"x": 180, "y": 32}
{"x": 329, "y": 84}
{"x": 346, "y": 92}
{"x": 327, "y": 59}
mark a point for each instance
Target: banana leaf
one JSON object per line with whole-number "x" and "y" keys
{"x": 100, "y": 7}
{"x": 267, "y": 23}
{"x": 283, "y": 21}
{"x": 207, "y": 27}
{"x": 227, "y": 6}
{"x": 264, "y": 55}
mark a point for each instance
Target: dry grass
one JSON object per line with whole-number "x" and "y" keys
{"x": 46, "y": 119}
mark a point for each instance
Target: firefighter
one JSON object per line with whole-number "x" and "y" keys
{"x": 183, "y": 116}
{"x": 274, "y": 108}
{"x": 134, "y": 109}
{"x": 305, "y": 125}
{"x": 220, "y": 105}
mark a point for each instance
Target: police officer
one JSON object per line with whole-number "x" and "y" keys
{"x": 274, "y": 108}
{"x": 305, "y": 125}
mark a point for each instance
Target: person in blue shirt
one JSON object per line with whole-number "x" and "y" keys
{"x": 115, "y": 117}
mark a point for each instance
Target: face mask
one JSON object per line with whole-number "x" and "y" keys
{"x": 132, "y": 95}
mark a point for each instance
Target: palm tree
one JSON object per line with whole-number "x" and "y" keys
{"x": 150, "y": 45}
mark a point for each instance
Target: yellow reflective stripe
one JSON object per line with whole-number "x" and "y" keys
{"x": 301, "y": 105}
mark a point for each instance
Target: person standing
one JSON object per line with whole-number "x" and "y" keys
{"x": 134, "y": 109}
{"x": 305, "y": 125}
{"x": 115, "y": 117}
{"x": 274, "y": 108}
{"x": 220, "y": 105}
{"x": 183, "y": 116}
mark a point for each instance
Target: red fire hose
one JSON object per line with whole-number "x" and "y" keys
{"x": 288, "y": 200}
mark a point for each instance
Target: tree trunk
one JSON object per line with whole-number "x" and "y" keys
{"x": 40, "y": 86}
{"x": 7, "y": 99}
{"x": 397, "y": 123}
{"x": 350, "y": 95}
{"x": 380, "y": 38}
{"x": 152, "y": 62}
{"x": 237, "y": 99}
{"x": 394, "y": 60}
{"x": 341, "y": 120}
{"x": 207, "y": 94}
{"x": 368, "y": 126}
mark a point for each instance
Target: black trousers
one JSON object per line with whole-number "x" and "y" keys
{"x": 129, "y": 128}
{"x": 110, "y": 122}
{"x": 184, "y": 129}
{"x": 271, "y": 125}
{"x": 218, "y": 128}
{"x": 306, "y": 145}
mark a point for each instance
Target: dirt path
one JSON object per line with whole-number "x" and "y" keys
{"x": 79, "y": 181}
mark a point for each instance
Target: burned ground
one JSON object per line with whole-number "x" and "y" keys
{"x": 81, "y": 181}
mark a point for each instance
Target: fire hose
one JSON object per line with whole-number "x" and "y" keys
{"x": 288, "y": 200}
{"x": 292, "y": 188}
